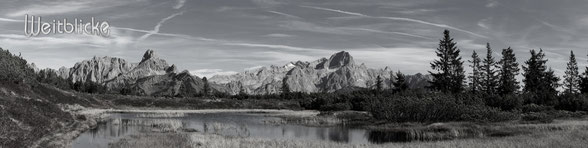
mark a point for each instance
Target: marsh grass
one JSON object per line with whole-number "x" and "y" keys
{"x": 559, "y": 133}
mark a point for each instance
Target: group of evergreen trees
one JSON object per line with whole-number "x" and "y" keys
{"x": 499, "y": 77}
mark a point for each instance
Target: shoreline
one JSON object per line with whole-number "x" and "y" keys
{"x": 65, "y": 136}
{"x": 451, "y": 131}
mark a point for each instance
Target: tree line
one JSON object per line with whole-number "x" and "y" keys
{"x": 498, "y": 77}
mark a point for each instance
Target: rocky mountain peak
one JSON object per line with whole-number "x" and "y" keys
{"x": 171, "y": 69}
{"x": 148, "y": 55}
{"x": 340, "y": 59}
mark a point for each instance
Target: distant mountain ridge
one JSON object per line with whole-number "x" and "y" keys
{"x": 154, "y": 76}
{"x": 323, "y": 75}
{"x": 151, "y": 76}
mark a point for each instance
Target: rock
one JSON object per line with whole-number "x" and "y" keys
{"x": 171, "y": 69}
{"x": 97, "y": 69}
{"x": 63, "y": 72}
{"x": 150, "y": 65}
{"x": 170, "y": 84}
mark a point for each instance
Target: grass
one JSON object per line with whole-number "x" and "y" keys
{"x": 560, "y": 133}
{"x": 563, "y": 138}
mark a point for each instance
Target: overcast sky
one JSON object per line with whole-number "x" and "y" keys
{"x": 226, "y": 36}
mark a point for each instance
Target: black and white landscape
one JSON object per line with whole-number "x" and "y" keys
{"x": 305, "y": 73}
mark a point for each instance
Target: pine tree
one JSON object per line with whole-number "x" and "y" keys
{"x": 475, "y": 77}
{"x": 206, "y": 87}
{"x": 400, "y": 83}
{"x": 285, "y": 88}
{"x": 450, "y": 74}
{"x": 539, "y": 80}
{"x": 379, "y": 83}
{"x": 584, "y": 81}
{"x": 508, "y": 70}
{"x": 572, "y": 77}
{"x": 489, "y": 73}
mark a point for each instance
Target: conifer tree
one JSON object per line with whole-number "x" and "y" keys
{"x": 572, "y": 77}
{"x": 379, "y": 83}
{"x": 475, "y": 77}
{"x": 285, "y": 88}
{"x": 206, "y": 87}
{"x": 539, "y": 81}
{"x": 450, "y": 74}
{"x": 400, "y": 83}
{"x": 508, "y": 70}
{"x": 489, "y": 73}
{"x": 584, "y": 81}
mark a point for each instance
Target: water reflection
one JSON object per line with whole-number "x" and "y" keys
{"x": 227, "y": 124}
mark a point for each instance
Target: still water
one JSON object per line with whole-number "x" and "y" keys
{"x": 257, "y": 125}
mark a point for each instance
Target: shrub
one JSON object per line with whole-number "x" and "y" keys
{"x": 535, "y": 108}
{"x": 507, "y": 102}
{"x": 541, "y": 117}
{"x": 435, "y": 107}
{"x": 572, "y": 102}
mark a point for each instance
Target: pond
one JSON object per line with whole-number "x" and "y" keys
{"x": 257, "y": 125}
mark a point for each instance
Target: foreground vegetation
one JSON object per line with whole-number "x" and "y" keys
{"x": 560, "y": 133}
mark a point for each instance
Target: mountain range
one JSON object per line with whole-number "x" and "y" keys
{"x": 154, "y": 76}
{"x": 323, "y": 75}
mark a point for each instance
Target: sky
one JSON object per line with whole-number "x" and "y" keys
{"x": 209, "y": 37}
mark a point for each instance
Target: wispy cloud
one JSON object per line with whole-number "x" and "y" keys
{"x": 165, "y": 34}
{"x": 159, "y": 24}
{"x": 10, "y": 20}
{"x": 211, "y": 72}
{"x": 285, "y": 47}
{"x": 278, "y": 35}
{"x": 51, "y": 8}
{"x": 387, "y": 32}
{"x": 492, "y": 3}
{"x": 335, "y": 10}
{"x": 180, "y": 4}
{"x": 397, "y": 19}
{"x": 283, "y": 14}
{"x": 310, "y": 27}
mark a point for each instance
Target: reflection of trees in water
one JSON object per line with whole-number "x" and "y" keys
{"x": 321, "y": 133}
{"x": 388, "y": 136}
{"x": 339, "y": 134}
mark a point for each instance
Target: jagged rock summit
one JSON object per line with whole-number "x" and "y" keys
{"x": 97, "y": 69}
{"x": 340, "y": 59}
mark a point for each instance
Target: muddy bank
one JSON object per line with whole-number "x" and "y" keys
{"x": 85, "y": 119}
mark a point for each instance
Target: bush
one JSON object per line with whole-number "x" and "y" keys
{"x": 572, "y": 102}
{"x": 507, "y": 102}
{"x": 541, "y": 117}
{"x": 435, "y": 107}
{"x": 535, "y": 108}
{"x": 14, "y": 68}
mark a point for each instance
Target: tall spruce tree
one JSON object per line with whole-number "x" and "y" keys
{"x": 285, "y": 88}
{"x": 508, "y": 70}
{"x": 450, "y": 74}
{"x": 475, "y": 77}
{"x": 400, "y": 83}
{"x": 584, "y": 81}
{"x": 572, "y": 76}
{"x": 206, "y": 87}
{"x": 539, "y": 81}
{"x": 379, "y": 83}
{"x": 489, "y": 73}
